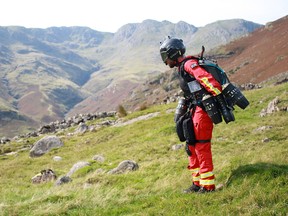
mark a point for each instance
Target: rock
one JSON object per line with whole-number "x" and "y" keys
{"x": 63, "y": 180}
{"x": 219, "y": 187}
{"x": 77, "y": 166}
{"x": 4, "y": 140}
{"x": 98, "y": 158}
{"x": 82, "y": 128}
{"x": 57, "y": 158}
{"x": 272, "y": 107}
{"x": 44, "y": 176}
{"x": 249, "y": 86}
{"x": 78, "y": 119}
{"x": 44, "y": 145}
{"x": 124, "y": 166}
{"x": 262, "y": 128}
{"x": 177, "y": 147}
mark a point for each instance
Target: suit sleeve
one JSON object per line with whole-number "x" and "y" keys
{"x": 203, "y": 77}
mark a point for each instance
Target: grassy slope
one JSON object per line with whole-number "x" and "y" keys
{"x": 255, "y": 172}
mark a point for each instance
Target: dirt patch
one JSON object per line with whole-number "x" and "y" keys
{"x": 140, "y": 118}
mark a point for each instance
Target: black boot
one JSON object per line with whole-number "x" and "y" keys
{"x": 204, "y": 190}
{"x": 192, "y": 188}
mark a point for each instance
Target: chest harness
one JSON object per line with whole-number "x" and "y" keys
{"x": 193, "y": 91}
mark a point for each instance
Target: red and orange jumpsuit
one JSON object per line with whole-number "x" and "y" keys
{"x": 200, "y": 161}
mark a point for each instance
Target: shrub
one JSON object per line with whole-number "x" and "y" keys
{"x": 121, "y": 111}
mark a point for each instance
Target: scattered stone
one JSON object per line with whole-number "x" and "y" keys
{"x": 219, "y": 187}
{"x": 92, "y": 128}
{"x": 77, "y": 166}
{"x": 265, "y": 140}
{"x": 59, "y": 126}
{"x": 263, "y": 128}
{"x": 4, "y": 140}
{"x": 124, "y": 166}
{"x": 284, "y": 80}
{"x": 63, "y": 180}
{"x": 57, "y": 158}
{"x": 44, "y": 176}
{"x": 272, "y": 107}
{"x": 44, "y": 145}
{"x": 249, "y": 86}
{"x": 82, "y": 128}
{"x": 177, "y": 147}
{"x": 98, "y": 158}
{"x": 11, "y": 153}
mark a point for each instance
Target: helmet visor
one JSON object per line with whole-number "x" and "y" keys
{"x": 164, "y": 56}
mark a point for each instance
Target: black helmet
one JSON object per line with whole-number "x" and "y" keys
{"x": 172, "y": 48}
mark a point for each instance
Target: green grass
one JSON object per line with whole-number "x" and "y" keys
{"x": 255, "y": 172}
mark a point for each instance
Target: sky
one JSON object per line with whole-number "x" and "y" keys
{"x": 110, "y": 15}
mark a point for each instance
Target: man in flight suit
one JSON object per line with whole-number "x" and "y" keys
{"x": 172, "y": 52}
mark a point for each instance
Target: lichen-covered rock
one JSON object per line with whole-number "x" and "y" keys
{"x": 77, "y": 166}
{"x": 44, "y": 145}
{"x": 125, "y": 166}
{"x": 44, "y": 176}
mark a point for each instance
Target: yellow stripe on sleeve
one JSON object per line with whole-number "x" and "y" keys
{"x": 210, "y": 86}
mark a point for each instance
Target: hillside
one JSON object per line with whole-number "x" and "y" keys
{"x": 258, "y": 56}
{"x": 49, "y": 74}
{"x": 250, "y": 158}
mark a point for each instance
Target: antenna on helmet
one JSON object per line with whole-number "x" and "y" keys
{"x": 167, "y": 37}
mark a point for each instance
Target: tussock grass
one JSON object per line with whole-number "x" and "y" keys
{"x": 255, "y": 172}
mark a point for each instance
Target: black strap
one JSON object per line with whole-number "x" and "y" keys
{"x": 200, "y": 141}
{"x": 203, "y": 141}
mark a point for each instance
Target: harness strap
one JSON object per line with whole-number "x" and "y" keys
{"x": 200, "y": 141}
{"x": 203, "y": 141}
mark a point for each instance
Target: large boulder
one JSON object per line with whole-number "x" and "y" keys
{"x": 44, "y": 145}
